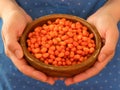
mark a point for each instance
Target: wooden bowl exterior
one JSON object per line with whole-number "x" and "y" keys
{"x": 60, "y": 71}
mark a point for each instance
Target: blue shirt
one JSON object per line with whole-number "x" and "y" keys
{"x": 12, "y": 79}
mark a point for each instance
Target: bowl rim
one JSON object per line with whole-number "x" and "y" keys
{"x": 61, "y": 68}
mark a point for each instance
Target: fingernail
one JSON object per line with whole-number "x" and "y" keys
{"x": 18, "y": 54}
{"x": 51, "y": 83}
{"x": 68, "y": 84}
{"x": 102, "y": 57}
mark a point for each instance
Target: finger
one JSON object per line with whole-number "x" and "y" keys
{"x": 61, "y": 78}
{"x": 23, "y": 66}
{"x": 12, "y": 45}
{"x": 98, "y": 66}
{"x": 87, "y": 74}
{"x": 50, "y": 80}
{"x": 69, "y": 81}
{"x": 10, "y": 38}
{"x": 56, "y": 78}
{"x": 110, "y": 45}
{"x": 31, "y": 72}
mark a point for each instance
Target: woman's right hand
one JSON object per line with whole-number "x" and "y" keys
{"x": 14, "y": 23}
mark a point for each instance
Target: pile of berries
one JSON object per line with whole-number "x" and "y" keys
{"x": 61, "y": 42}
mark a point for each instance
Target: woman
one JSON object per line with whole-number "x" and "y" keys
{"x": 17, "y": 14}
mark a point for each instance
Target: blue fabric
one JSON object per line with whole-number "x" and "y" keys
{"x": 12, "y": 79}
{"x": 1, "y": 45}
{"x": 80, "y": 8}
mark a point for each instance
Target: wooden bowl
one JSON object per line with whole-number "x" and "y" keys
{"x": 60, "y": 71}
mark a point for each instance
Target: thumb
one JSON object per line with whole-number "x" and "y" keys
{"x": 28, "y": 17}
{"x": 108, "y": 50}
{"x": 106, "y": 53}
{"x": 14, "y": 48}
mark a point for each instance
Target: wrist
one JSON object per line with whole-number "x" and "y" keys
{"x": 7, "y": 6}
{"x": 112, "y": 7}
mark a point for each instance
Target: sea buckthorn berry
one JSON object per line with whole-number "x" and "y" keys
{"x": 59, "y": 63}
{"x": 64, "y": 37}
{"x": 79, "y": 37}
{"x": 52, "y": 48}
{"x": 29, "y": 49}
{"x": 81, "y": 59}
{"x": 36, "y": 45}
{"x": 37, "y": 29}
{"x": 90, "y": 45}
{"x": 61, "y": 54}
{"x": 71, "y": 54}
{"x": 46, "y": 62}
{"x": 54, "y": 63}
{"x": 51, "y": 52}
{"x": 68, "y": 62}
{"x": 79, "y": 47}
{"x": 70, "y": 34}
{"x": 73, "y": 63}
{"x": 36, "y": 50}
{"x": 73, "y": 49}
{"x": 43, "y": 50}
{"x": 63, "y": 63}
{"x": 67, "y": 53}
{"x": 79, "y": 52}
{"x": 61, "y": 22}
{"x": 78, "y": 25}
{"x": 91, "y": 35}
{"x": 49, "y": 22}
{"x": 45, "y": 55}
{"x": 77, "y": 56}
{"x": 51, "y": 56}
{"x": 70, "y": 45}
{"x": 61, "y": 42}
{"x": 84, "y": 28}
{"x": 73, "y": 25}
{"x": 56, "y": 53}
{"x": 50, "y": 61}
{"x": 75, "y": 43}
{"x": 38, "y": 55}
{"x": 91, "y": 50}
{"x": 33, "y": 40}
{"x": 84, "y": 38}
{"x": 43, "y": 32}
{"x": 65, "y": 29}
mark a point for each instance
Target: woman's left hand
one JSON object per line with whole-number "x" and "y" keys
{"x": 106, "y": 25}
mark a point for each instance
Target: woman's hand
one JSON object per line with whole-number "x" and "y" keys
{"x": 106, "y": 24}
{"x": 14, "y": 23}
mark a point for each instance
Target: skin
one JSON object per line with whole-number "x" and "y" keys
{"x": 15, "y": 27}
{"x": 106, "y": 24}
{"x": 102, "y": 19}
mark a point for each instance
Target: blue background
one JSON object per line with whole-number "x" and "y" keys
{"x": 12, "y": 79}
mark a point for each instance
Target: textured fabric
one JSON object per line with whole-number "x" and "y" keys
{"x": 12, "y": 79}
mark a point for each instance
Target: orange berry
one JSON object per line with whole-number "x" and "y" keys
{"x": 45, "y": 55}
{"x": 61, "y": 54}
{"x": 38, "y": 55}
{"x": 61, "y": 42}
{"x": 43, "y": 50}
{"x": 77, "y": 56}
